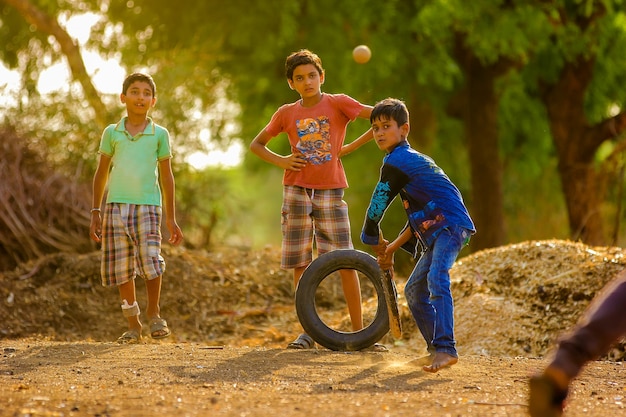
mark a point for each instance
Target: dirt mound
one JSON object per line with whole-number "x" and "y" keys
{"x": 510, "y": 301}
{"x": 517, "y": 299}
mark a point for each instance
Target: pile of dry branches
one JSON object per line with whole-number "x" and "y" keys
{"x": 41, "y": 210}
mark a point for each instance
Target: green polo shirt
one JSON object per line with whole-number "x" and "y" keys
{"x": 134, "y": 162}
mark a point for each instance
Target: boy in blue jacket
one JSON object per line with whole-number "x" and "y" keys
{"x": 438, "y": 222}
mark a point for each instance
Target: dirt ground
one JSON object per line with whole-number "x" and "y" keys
{"x": 231, "y": 313}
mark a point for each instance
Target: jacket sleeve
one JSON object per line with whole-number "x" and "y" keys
{"x": 391, "y": 181}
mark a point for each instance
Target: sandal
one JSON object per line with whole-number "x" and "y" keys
{"x": 304, "y": 341}
{"x": 129, "y": 337}
{"x": 158, "y": 328}
{"x": 546, "y": 399}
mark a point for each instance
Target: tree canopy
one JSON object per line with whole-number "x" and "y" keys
{"x": 520, "y": 102}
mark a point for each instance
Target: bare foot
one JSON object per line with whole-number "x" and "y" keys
{"x": 423, "y": 360}
{"x": 442, "y": 360}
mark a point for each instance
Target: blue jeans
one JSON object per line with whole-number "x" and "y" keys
{"x": 428, "y": 294}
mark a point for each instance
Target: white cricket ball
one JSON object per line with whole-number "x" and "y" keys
{"x": 361, "y": 54}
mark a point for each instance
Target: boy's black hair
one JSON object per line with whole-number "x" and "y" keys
{"x": 390, "y": 109}
{"x": 302, "y": 57}
{"x": 139, "y": 76}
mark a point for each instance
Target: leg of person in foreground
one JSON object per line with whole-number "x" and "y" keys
{"x": 602, "y": 325}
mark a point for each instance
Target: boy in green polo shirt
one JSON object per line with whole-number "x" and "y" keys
{"x": 135, "y": 162}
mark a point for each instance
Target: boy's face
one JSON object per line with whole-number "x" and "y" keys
{"x": 388, "y": 134}
{"x": 306, "y": 80}
{"x": 138, "y": 98}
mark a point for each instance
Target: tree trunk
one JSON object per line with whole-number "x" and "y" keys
{"x": 480, "y": 126}
{"x": 478, "y": 108}
{"x": 424, "y": 121}
{"x": 576, "y": 148}
{"x": 579, "y": 182}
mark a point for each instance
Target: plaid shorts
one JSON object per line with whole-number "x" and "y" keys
{"x": 308, "y": 216}
{"x": 131, "y": 243}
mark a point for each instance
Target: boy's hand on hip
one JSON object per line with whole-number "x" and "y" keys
{"x": 295, "y": 162}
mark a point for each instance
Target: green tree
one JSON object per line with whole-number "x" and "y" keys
{"x": 489, "y": 85}
{"x": 580, "y": 75}
{"x": 45, "y": 23}
{"x": 486, "y": 41}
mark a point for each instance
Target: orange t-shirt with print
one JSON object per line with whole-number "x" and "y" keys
{"x": 318, "y": 133}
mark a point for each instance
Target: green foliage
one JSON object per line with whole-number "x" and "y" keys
{"x": 16, "y": 37}
{"x": 603, "y": 99}
{"x": 65, "y": 135}
{"x": 212, "y": 206}
{"x": 219, "y": 67}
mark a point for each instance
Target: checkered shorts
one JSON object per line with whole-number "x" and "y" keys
{"x": 131, "y": 243}
{"x": 308, "y": 216}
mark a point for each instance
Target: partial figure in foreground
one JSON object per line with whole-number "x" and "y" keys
{"x": 135, "y": 162}
{"x": 313, "y": 209}
{"x": 602, "y": 325}
{"x": 438, "y": 223}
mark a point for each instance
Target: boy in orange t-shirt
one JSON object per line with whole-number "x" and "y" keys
{"x": 314, "y": 180}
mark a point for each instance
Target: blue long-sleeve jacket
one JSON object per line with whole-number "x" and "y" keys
{"x": 430, "y": 199}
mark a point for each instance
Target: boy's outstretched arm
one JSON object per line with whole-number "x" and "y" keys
{"x": 366, "y": 112}
{"x": 357, "y": 143}
{"x": 361, "y": 140}
{"x": 293, "y": 162}
{"x": 166, "y": 178}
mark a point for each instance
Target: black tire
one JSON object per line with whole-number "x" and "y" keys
{"x": 313, "y": 325}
